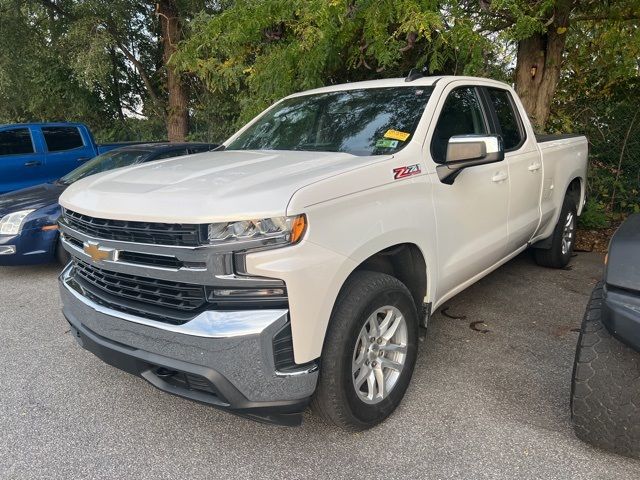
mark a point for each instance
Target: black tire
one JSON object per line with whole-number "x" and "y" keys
{"x": 553, "y": 257}
{"x": 605, "y": 389}
{"x": 336, "y": 400}
{"x": 62, "y": 256}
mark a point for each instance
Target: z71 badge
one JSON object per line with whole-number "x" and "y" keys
{"x": 402, "y": 172}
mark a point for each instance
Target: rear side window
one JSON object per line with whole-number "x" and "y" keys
{"x": 461, "y": 115}
{"x": 15, "y": 142}
{"x": 509, "y": 124}
{"x": 62, "y": 138}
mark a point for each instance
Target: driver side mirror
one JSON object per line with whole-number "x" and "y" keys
{"x": 465, "y": 151}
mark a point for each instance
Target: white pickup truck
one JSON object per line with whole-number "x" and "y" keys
{"x": 296, "y": 264}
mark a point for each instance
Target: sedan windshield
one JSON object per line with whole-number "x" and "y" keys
{"x": 104, "y": 162}
{"x": 372, "y": 121}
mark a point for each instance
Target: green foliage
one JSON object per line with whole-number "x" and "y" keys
{"x": 259, "y": 51}
{"x": 36, "y": 79}
{"x": 594, "y": 215}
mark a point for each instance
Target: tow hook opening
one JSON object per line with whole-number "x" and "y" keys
{"x": 163, "y": 372}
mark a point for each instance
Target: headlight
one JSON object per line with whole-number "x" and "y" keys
{"x": 10, "y": 224}
{"x": 266, "y": 231}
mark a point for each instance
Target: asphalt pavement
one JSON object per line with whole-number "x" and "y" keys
{"x": 489, "y": 399}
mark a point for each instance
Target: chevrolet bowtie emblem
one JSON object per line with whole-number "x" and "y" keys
{"x": 98, "y": 253}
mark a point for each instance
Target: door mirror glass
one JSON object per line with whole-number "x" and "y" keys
{"x": 465, "y": 151}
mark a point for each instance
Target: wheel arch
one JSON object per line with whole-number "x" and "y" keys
{"x": 404, "y": 261}
{"x": 577, "y": 191}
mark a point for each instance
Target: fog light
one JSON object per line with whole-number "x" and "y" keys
{"x": 7, "y": 249}
{"x": 246, "y": 292}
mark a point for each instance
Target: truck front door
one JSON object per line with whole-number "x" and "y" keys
{"x": 471, "y": 214}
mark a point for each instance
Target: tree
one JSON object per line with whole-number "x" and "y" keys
{"x": 172, "y": 32}
{"x": 258, "y": 52}
{"x": 116, "y": 52}
{"x": 146, "y": 34}
{"x": 37, "y": 81}
{"x": 540, "y": 29}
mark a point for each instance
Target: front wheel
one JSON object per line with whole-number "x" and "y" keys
{"x": 369, "y": 354}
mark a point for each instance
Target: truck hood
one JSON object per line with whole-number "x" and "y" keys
{"x": 208, "y": 187}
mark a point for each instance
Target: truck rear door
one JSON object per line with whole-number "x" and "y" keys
{"x": 67, "y": 148}
{"x": 21, "y": 158}
{"x": 524, "y": 162}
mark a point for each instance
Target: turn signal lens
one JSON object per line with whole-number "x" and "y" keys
{"x": 298, "y": 227}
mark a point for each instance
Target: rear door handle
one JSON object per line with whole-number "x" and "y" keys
{"x": 499, "y": 177}
{"x": 534, "y": 167}
{"x": 33, "y": 163}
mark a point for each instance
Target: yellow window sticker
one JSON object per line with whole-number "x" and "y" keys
{"x": 397, "y": 135}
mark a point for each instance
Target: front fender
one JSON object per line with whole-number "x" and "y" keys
{"x": 342, "y": 233}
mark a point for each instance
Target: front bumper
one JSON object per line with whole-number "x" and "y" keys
{"x": 621, "y": 316}
{"x": 29, "y": 247}
{"x": 222, "y": 358}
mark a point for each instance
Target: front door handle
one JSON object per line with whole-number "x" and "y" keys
{"x": 499, "y": 177}
{"x": 534, "y": 167}
{"x": 33, "y": 163}
{"x": 82, "y": 159}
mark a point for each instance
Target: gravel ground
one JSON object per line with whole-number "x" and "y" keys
{"x": 485, "y": 403}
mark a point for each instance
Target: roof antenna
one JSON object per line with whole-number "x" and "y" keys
{"x": 414, "y": 74}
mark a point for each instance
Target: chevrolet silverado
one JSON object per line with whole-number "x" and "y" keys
{"x": 296, "y": 264}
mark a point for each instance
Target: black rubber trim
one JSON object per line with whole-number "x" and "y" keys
{"x": 145, "y": 364}
{"x": 551, "y": 138}
{"x": 618, "y": 317}
{"x": 496, "y": 126}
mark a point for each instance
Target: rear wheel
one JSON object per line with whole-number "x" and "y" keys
{"x": 563, "y": 238}
{"x": 605, "y": 388}
{"x": 369, "y": 354}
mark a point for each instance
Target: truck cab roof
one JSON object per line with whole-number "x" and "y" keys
{"x": 398, "y": 82}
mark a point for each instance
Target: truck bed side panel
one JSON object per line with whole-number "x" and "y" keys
{"x": 564, "y": 159}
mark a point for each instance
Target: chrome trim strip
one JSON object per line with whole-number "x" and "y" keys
{"x": 298, "y": 373}
{"x": 227, "y": 247}
{"x": 208, "y": 324}
{"x": 218, "y": 271}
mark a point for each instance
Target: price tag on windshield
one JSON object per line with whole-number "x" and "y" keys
{"x": 397, "y": 135}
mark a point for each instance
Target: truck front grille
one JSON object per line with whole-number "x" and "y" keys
{"x": 132, "y": 292}
{"x": 173, "y": 234}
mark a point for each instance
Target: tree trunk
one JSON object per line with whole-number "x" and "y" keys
{"x": 538, "y": 65}
{"x": 177, "y": 112}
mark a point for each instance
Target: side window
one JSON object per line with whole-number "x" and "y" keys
{"x": 62, "y": 138}
{"x": 508, "y": 119}
{"x": 15, "y": 142}
{"x": 461, "y": 115}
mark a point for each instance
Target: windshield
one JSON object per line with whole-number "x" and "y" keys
{"x": 104, "y": 162}
{"x": 372, "y": 121}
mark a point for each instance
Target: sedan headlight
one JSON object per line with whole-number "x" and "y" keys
{"x": 266, "y": 231}
{"x": 10, "y": 224}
